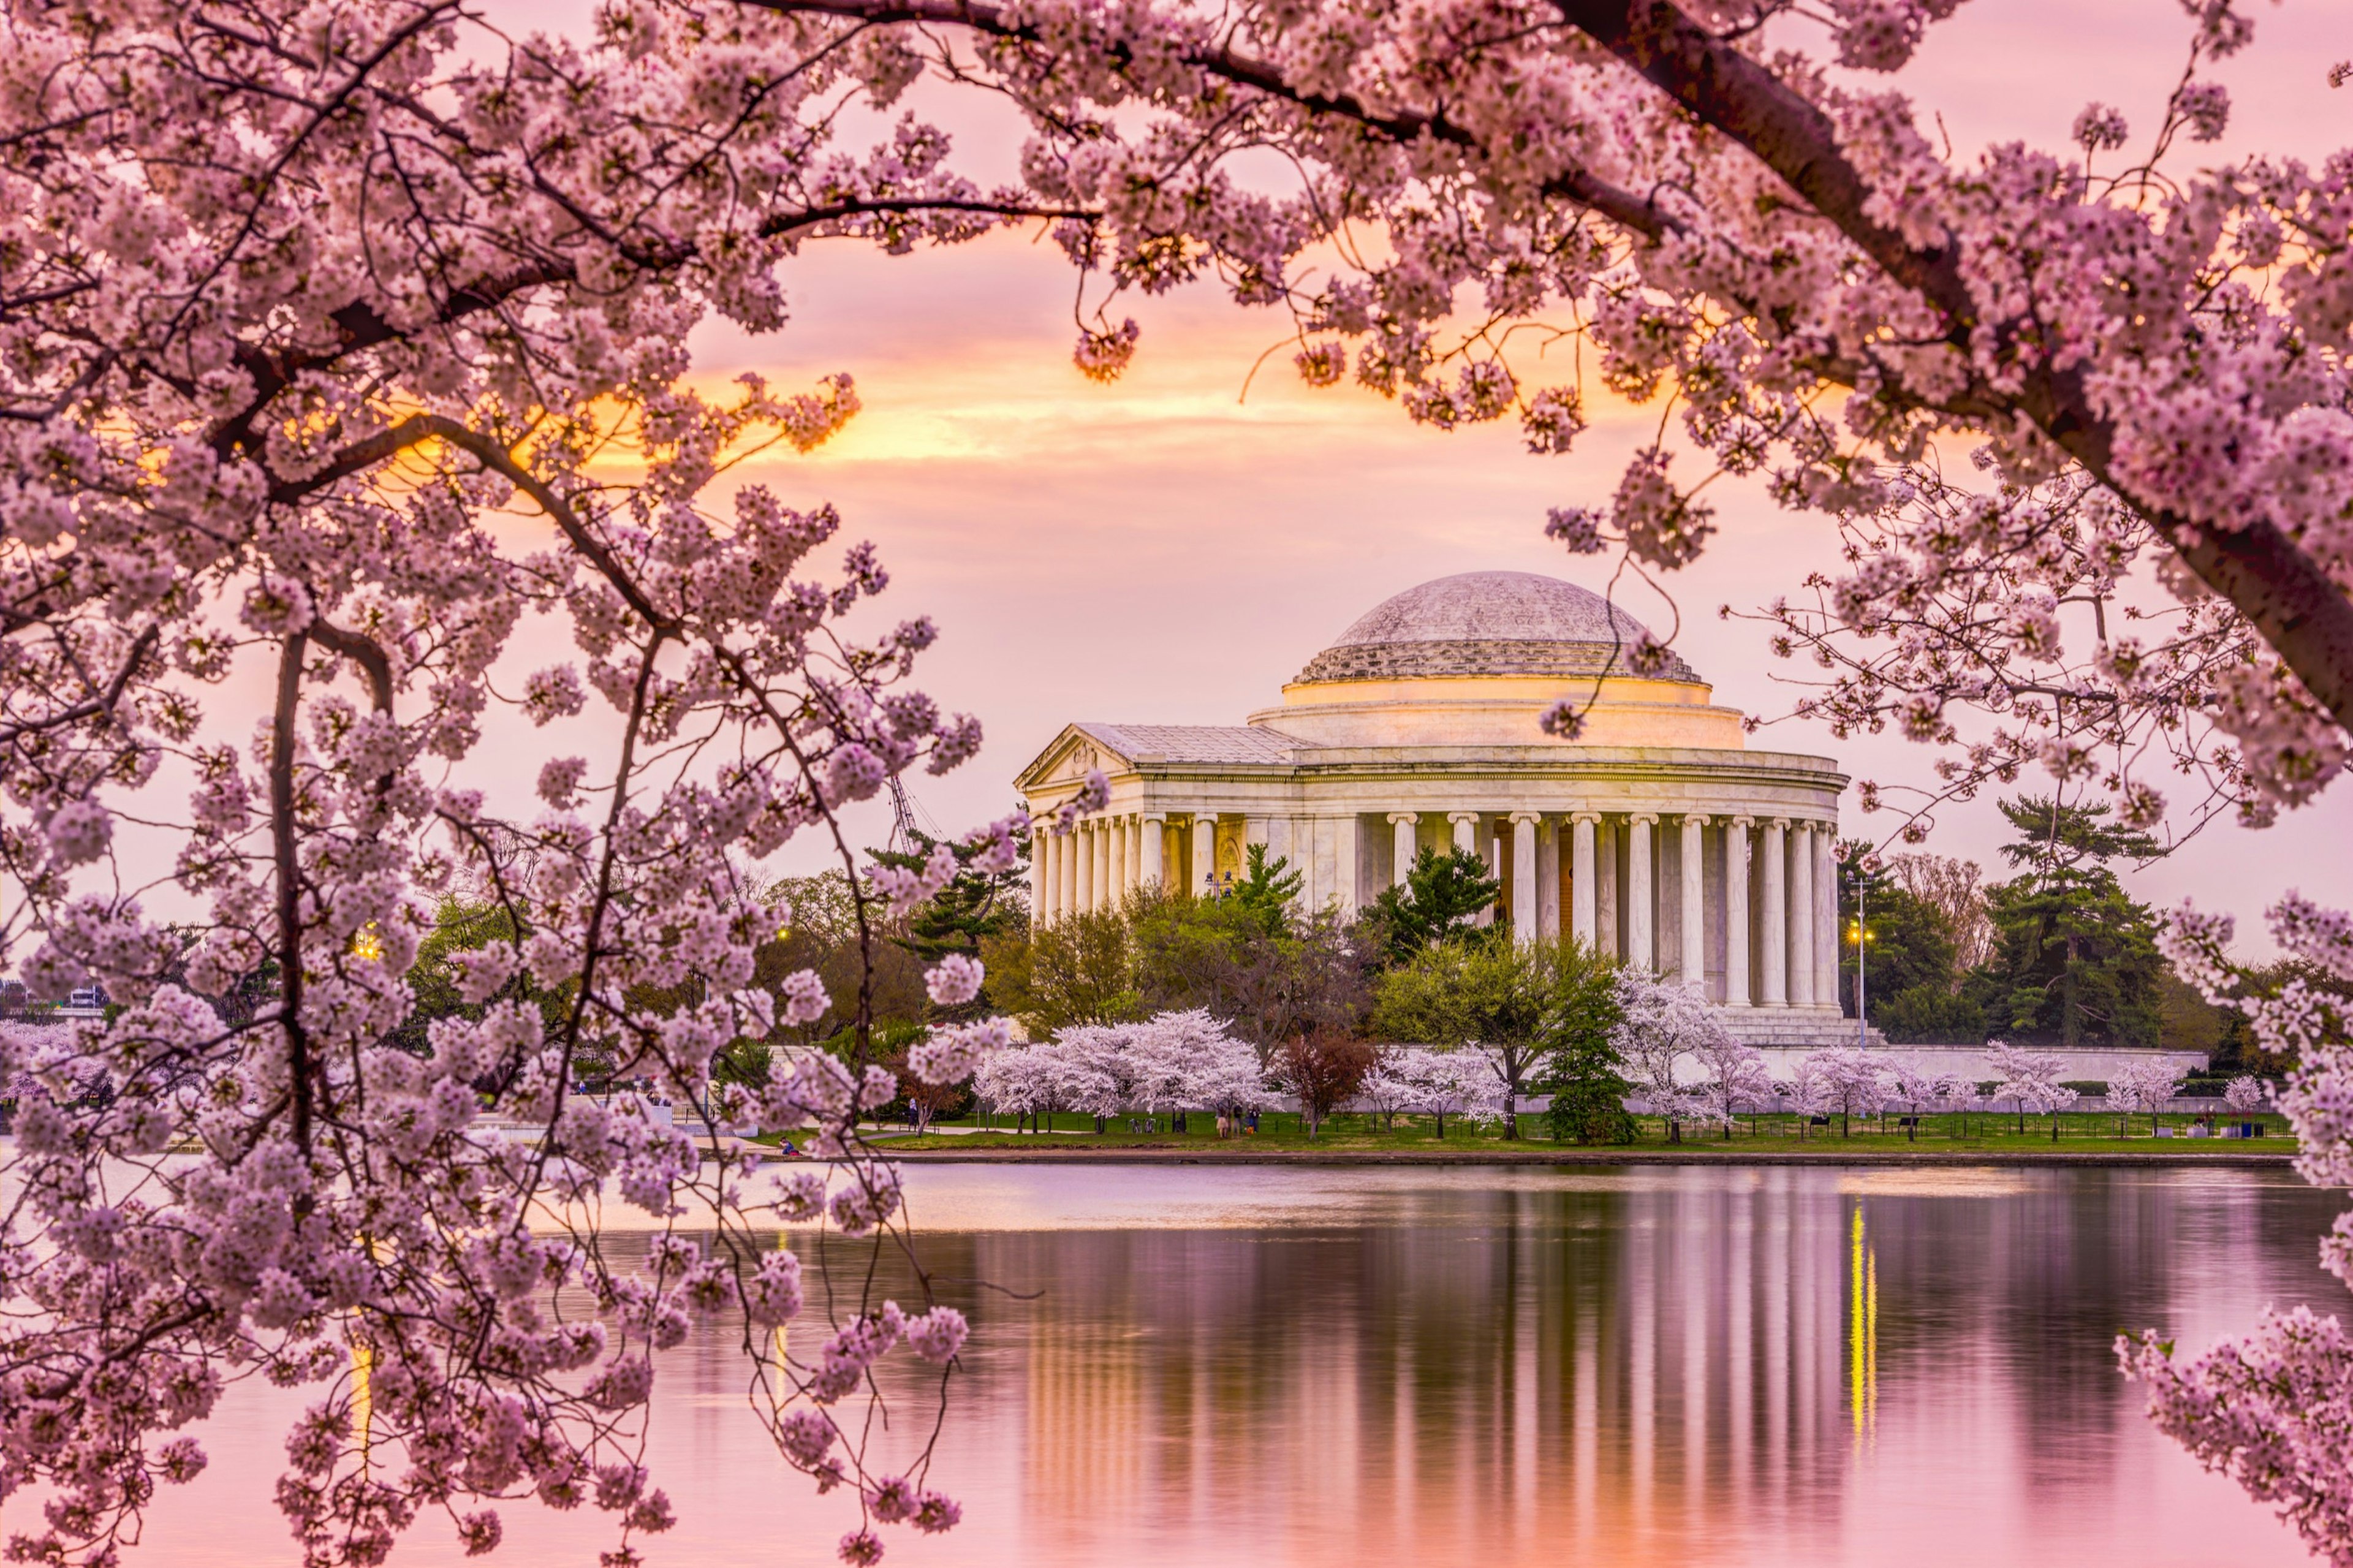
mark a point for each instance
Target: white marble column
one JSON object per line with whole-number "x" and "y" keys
{"x": 1801, "y": 915}
{"x": 1641, "y": 949}
{"x": 1155, "y": 848}
{"x": 1694, "y": 920}
{"x": 1774, "y": 960}
{"x": 1042, "y": 873}
{"x": 1116, "y": 884}
{"x": 1466, "y": 830}
{"x": 1584, "y": 877}
{"x": 1083, "y": 845}
{"x": 1137, "y": 832}
{"x": 1347, "y": 850}
{"x": 1401, "y": 846}
{"x": 1826, "y": 941}
{"x": 1205, "y": 852}
{"x": 1066, "y": 874}
{"x": 1523, "y": 875}
{"x": 1548, "y": 878}
{"x": 1735, "y": 911}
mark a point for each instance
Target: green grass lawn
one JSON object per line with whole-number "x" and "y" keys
{"x": 1351, "y": 1134}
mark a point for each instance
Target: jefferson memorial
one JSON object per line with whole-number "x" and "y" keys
{"x": 1657, "y": 834}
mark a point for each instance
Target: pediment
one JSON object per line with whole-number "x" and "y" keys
{"x": 1072, "y": 756}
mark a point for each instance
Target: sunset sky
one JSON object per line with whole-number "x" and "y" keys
{"x": 1163, "y": 550}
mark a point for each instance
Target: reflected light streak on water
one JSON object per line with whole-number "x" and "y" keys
{"x": 1652, "y": 1365}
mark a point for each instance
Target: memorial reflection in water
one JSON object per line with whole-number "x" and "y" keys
{"x": 1658, "y": 1365}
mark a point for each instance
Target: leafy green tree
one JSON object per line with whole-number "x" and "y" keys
{"x": 1926, "y": 1014}
{"x": 975, "y": 905}
{"x": 2074, "y": 959}
{"x": 1439, "y": 898}
{"x": 2237, "y": 1050}
{"x": 1588, "y": 1091}
{"x": 1080, "y": 969}
{"x": 817, "y": 929}
{"x": 1269, "y": 982}
{"x": 1909, "y": 943}
{"x": 1912, "y": 979}
{"x": 1265, "y": 892}
{"x": 1512, "y": 997}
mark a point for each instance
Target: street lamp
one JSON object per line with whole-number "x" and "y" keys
{"x": 1861, "y": 945}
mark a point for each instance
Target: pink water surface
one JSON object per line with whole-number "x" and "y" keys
{"x": 1345, "y": 1366}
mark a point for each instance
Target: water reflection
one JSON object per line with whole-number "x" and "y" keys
{"x": 1659, "y": 1366}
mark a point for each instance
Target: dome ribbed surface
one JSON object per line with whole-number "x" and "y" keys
{"x": 1487, "y": 623}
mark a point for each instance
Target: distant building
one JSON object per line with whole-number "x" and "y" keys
{"x": 1657, "y": 834}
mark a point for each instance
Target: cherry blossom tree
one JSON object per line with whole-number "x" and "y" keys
{"x": 2142, "y": 355}
{"x": 1956, "y": 1095}
{"x": 1813, "y": 1092}
{"x": 1907, "y": 1088}
{"x": 2028, "y": 1079}
{"x": 1465, "y": 1083}
{"x": 1733, "y": 1079}
{"x": 2145, "y": 1086}
{"x": 1170, "y": 1062}
{"x": 1385, "y": 1090}
{"x": 2244, "y": 1094}
{"x": 1661, "y": 1023}
{"x": 1851, "y": 1082}
{"x": 341, "y": 346}
{"x": 2266, "y": 1408}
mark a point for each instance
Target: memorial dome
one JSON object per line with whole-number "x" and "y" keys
{"x": 1487, "y": 623}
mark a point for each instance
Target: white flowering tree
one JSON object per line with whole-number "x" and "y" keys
{"x": 1025, "y": 1082}
{"x": 1956, "y": 1096}
{"x": 1814, "y": 1091}
{"x": 1467, "y": 1083}
{"x": 1850, "y": 1085}
{"x": 2029, "y": 1081}
{"x": 2245, "y": 1094}
{"x": 346, "y": 373}
{"x": 1733, "y": 1079}
{"x": 1660, "y": 1024}
{"x": 1909, "y": 1090}
{"x": 2145, "y": 1086}
{"x": 1192, "y": 1062}
{"x": 1170, "y": 1062}
{"x": 1387, "y": 1091}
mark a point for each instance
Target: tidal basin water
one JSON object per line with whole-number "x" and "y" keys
{"x": 1645, "y": 1365}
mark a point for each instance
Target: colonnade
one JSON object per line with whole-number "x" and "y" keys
{"x": 1097, "y": 864}
{"x": 1751, "y": 898}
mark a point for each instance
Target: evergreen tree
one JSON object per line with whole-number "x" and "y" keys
{"x": 2075, "y": 960}
{"x": 973, "y": 905}
{"x": 1517, "y": 999}
{"x": 1440, "y": 897}
{"x": 1588, "y": 1091}
{"x": 1265, "y": 891}
{"x": 1911, "y": 980}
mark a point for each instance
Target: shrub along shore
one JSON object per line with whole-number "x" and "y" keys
{"x": 1981, "y": 1138}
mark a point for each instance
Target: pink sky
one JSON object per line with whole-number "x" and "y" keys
{"x": 1161, "y": 550}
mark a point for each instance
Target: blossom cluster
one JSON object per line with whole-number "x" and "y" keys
{"x": 2269, "y": 1408}
{"x": 1173, "y": 1061}
{"x": 343, "y": 359}
{"x": 1680, "y": 202}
